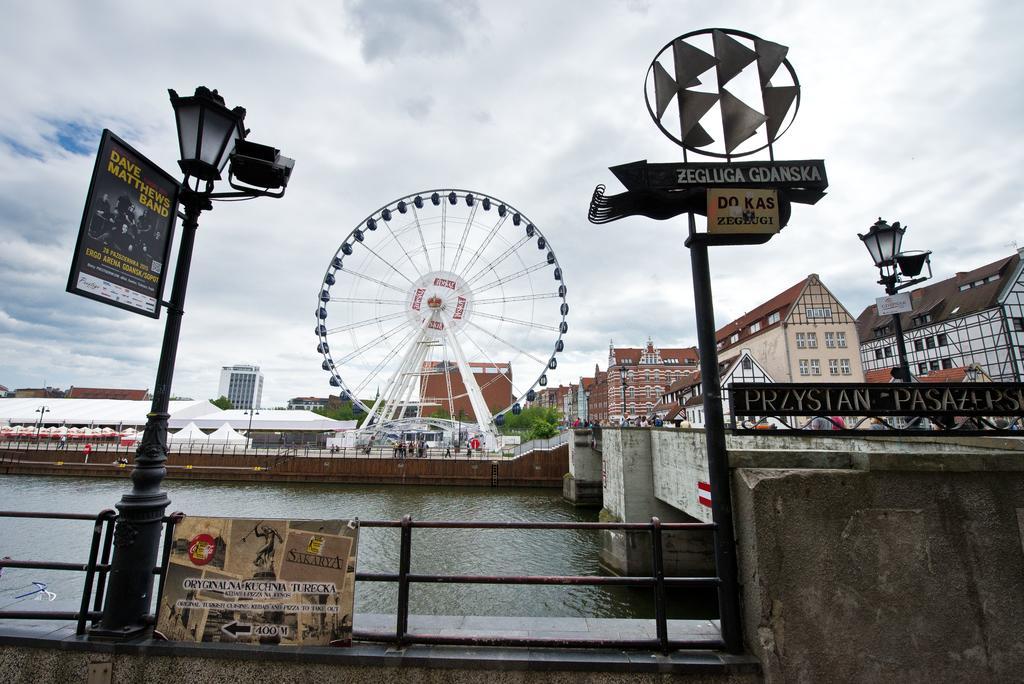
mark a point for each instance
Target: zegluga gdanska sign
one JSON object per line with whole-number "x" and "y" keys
{"x": 864, "y": 399}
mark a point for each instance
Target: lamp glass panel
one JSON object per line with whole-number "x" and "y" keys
{"x": 871, "y": 242}
{"x": 218, "y": 138}
{"x": 188, "y": 128}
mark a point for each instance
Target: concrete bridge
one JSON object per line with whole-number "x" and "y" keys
{"x": 869, "y": 558}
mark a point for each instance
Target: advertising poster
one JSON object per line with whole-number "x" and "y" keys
{"x": 238, "y": 580}
{"x": 741, "y": 210}
{"x": 125, "y": 237}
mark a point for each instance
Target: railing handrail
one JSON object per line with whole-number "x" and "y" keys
{"x": 98, "y": 566}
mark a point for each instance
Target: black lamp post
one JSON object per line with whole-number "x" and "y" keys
{"x": 883, "y": 242}
{"x": 248, "y": 432}
{"x": 622, "y": 378}
{"x": 39, "y": 423}
{"x": 208, "y": 134}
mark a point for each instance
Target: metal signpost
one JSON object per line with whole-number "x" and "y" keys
{"x": 705, "y": 74}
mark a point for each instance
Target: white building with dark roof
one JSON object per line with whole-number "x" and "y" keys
{"x": 975, "y": 318}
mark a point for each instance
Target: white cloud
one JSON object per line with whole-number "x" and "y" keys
{"x": 914, "y": 109}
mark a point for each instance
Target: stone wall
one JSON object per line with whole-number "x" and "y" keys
{"x": 909, "y": 571}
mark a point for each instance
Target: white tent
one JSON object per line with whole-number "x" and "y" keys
{"x": 226, "y": 435}
{"x": 189, "y": 433}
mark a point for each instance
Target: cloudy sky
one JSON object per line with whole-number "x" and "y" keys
{"x": 916, "y": 108}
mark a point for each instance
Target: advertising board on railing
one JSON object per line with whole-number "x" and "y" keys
{"x": 243, "y": 580}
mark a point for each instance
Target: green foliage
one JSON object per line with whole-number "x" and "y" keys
{"x": 529, "y": 416}
{"x": 344, "y": 412}
{"x": 541, "y": 429}
{"x": 440, "y": 413}
{"x": 223, "y": 403}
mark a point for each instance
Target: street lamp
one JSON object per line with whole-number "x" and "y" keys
{"x": 210, "y": 136}
{"x": 248, "y": 439}
{"x": 622, "y": 383}
{"x": 42, "y": 410}
{"x": 898, "y": 271}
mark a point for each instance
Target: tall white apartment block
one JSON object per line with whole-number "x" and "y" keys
{"x": 242, "y": 385}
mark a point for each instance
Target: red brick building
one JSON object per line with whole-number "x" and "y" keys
{"x": 494, "y": 380}
{"x": 637, "y": 378}
{"x": 108, "y": 393}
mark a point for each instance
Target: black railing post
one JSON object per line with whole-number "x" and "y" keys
{"x": 658, "y": 564}
{"x": 404, "y": 562}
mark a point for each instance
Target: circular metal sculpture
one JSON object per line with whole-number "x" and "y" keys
{"x": 729, "y": 104}
{"x": 437, "y": 304}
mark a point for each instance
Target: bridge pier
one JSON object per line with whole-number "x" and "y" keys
{"x": 582, "y": 484}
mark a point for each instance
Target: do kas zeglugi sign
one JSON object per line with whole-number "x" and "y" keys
{"x": 125, "y": 237}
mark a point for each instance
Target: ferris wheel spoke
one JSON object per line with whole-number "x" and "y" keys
{"x": 416, "y": 268}
{"x": 365, "y": 322}
{"x": 516, "y": 321}
{"x": 512, "y": 276}
{"x": 506, "y": 342}
{"x": 389, "y": 264}
{"x": 497, "y": 368}
{"x": 465, "y": 234}
{"x": 448, "y": 378}
{"x": 373, "y": 280}
{"x": 384, "y": 362}
{"x": 423, "y": 240}
{"x": 355, "y": 353}
{"x": 487, "y": 241}
{"x": 360, "y": 300}
{"x": 501, "y": 257}
{"x": 520, "y": 298}
{"x": 444, "y": 227}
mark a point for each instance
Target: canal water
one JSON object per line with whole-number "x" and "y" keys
{"x": 492, "y": 552}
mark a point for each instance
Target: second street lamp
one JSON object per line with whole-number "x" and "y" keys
{"x": 883, "y": 242}
{"x": 208, "y": 134}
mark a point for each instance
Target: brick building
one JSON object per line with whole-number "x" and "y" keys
{"x": 494, "y": 380}
{"x": 637, "y": 378}
{"x": 108, "y": 393}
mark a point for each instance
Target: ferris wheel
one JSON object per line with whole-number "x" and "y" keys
{"x": 442, "y": 305}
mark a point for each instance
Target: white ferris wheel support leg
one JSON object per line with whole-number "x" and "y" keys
{"x": 385, "y": 405}
{"x": 476, "y": 397}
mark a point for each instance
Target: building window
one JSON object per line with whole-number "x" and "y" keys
{"x": 830, "y": 340}
{"x": 803, "y": 367}
{"x": 812, "y": 340}
{"x": 942, "y": 339}
{"x": 1018, "y": 323}
{"x": 754, "y": 327}
{"x": 929, "y": 342}
{"x": 844, "y": 366}
{"x": 947, "y": 363}
{"x": 882, "y": 330}
{"x": 922, "y": 368}
{"x": 841, "y": 340}
{"x": 746, "y": 363}
{"x": 833, "y": 366}
{"x": 801, "y": 341}
{"x": 734, "y": 338}
{"x": 933, "y": 365}
{"x": 878, "y": 353}
{"x": 888, "y": 352}
{"x": 773, "y": 317}
{"x": 815, "y": 367}
{"x": 918, "y": 345}
{"x": 818, "y": 312}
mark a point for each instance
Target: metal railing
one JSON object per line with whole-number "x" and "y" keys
{"x": 97, "y": 566}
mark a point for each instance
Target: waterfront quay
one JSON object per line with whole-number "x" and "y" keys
{"x": 543, "y": 466}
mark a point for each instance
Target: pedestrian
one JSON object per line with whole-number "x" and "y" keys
{"x": 394, "y": 452}
{"x": 87, "y": 450}
{"x": 63, "y": 444}
{"x": 447, "y": 452}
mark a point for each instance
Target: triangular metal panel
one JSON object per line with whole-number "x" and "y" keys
{"x": 690, "y": 63}
{"x": 777, "y": 102}
{"x": 732, "y": 56}
{"x": 665, "y": 88}
{"x": 697, "y": 137}
{"x": 739, "y": 121}
{"x": 769, "y": 57}
{"x": 693, "y": 105}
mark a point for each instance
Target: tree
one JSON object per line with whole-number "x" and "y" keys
{"x": 223, "y": 403}
{"x": 541, "y": 429}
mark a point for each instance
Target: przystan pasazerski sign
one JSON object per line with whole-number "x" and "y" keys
{"x": 855, "y": 399}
